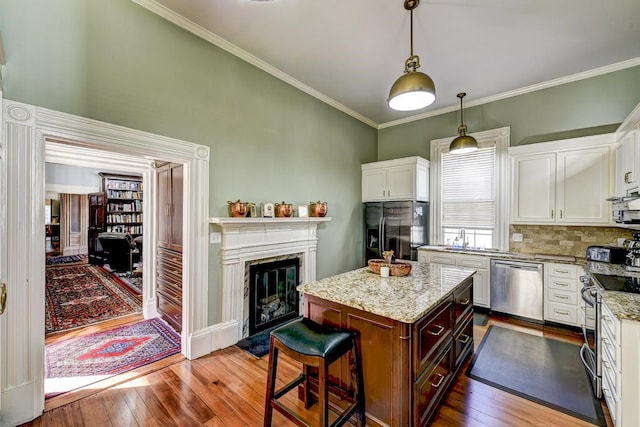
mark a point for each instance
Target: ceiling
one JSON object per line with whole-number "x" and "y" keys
{"x": 349, "y": 52}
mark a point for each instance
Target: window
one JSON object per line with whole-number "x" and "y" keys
{"x": 469, "y": 192}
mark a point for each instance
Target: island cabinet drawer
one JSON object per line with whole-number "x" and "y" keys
{"x": 462, "y": 341}
{"x": 431, "y": 386}
{"x": 462, "y": 303}
{"x": 432, "y": 333}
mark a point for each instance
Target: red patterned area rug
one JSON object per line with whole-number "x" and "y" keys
{"x": 79, "y": 295}
{"x": 77, "y": 362}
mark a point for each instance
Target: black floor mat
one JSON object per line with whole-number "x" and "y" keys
{"x": 480, "y": 319}
{"x": 257, "y": 344}
{"x": 539, "y": 369}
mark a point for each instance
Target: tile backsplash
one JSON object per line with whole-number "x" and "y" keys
{"x": 563, "y": 240}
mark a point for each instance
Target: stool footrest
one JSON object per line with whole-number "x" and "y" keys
{"x": 287, "y": 388}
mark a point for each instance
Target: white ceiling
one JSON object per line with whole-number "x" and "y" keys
{"x": 349, "y": 52}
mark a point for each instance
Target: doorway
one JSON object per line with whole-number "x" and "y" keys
{"x": 93, "y": 289}
{"x": 27, "y": 129}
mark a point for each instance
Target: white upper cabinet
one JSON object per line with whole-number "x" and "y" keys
{"x": 398, "y": 179}
{"x": 562, "y": 182}
{"x": 534, "y": 188}
{"x": 628, "y": 155}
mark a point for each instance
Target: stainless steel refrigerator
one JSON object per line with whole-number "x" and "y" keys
{"x": 401, "y": 226}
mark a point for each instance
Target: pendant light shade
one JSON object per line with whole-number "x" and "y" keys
{"x": 413, "y": 90}
{"x": 463, "y": 143}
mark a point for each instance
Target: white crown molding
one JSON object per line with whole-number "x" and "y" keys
{"x": 521, "y": 91}
{"x": 205, "y": 34}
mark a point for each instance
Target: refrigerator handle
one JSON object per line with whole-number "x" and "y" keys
{"x": 382, "y": 234}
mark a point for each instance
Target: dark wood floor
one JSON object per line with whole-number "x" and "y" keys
{"x": 226, "y": 388}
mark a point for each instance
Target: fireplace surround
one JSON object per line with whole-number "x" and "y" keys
{"x": 250, "y": 241}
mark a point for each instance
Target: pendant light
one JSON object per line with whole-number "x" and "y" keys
{"x": 463, "y": 142}
{"x": 413, "y": 90}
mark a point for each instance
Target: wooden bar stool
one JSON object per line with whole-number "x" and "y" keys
{"x": 315, "y": 346}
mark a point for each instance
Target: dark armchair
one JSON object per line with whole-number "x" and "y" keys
{"x": 119, "y": 249}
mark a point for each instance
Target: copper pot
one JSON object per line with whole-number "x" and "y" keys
{"x": 318, "y": 209}
{"x": 284, "y": 210}
{"x": 238, "y": 209}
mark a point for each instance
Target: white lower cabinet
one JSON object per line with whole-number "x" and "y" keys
{"x": 620, "y": 344}
{"x": 562, "y": 302}
{"x": 477, "y": 262}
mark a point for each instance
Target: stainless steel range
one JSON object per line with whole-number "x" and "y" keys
{"x": 603, "y": 275}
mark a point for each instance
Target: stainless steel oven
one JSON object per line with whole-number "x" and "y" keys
{"x": 591, "y": 353}
{"x": 597, "y": 282}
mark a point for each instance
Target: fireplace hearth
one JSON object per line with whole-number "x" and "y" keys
{"x": 273, "y": 298}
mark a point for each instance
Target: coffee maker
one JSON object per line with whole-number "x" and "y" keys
{"x": 632, "y": 261}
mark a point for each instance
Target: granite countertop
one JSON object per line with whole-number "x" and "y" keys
{"x": 495, "y": 253}
{"x": 405, "y": 299}
{"x": 623, "y": 305}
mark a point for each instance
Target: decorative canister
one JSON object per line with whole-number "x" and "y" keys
{"x": 318, "y": 209}
{"x": 284, "y": 210}
{"x": 238, "y": 209}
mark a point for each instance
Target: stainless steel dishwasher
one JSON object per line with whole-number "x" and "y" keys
{"x": 517, "y": 288}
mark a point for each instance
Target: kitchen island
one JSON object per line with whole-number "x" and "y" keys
{"x": 415, "y": 333}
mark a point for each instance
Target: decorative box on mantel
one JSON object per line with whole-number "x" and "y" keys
{"x": 249, "y": 241}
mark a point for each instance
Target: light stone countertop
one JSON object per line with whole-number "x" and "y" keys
{"x": 623, "y": 305}
{"x": 494, "y": 253}
{"x": 405, "y": 299}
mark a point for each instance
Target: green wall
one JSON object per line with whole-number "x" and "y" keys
{"x": 117, "y": 62}
{"x": 585, "y": 107}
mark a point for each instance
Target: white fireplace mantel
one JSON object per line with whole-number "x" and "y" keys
{"x": 250, "y": 239}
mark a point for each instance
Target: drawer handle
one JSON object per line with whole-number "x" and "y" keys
{"x": 438, "y": 332}
{"x": 562, "y": 297}
{"x": 562, "y": 284}
{"x": 606, "y": 340}
{"x": 562, "y": 271}
{"x": 464, "y": 339}
{"x": 564, "y": 313}
{"x": 465, "y": 302}
{"x": 439, "y": 382}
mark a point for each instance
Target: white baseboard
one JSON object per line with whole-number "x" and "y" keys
{"x": 213, "y": 338}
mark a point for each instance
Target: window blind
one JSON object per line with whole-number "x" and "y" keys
{"x": 468, "y": 188}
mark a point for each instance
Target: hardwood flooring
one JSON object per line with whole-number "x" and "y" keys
{"x": 226, "y": 388}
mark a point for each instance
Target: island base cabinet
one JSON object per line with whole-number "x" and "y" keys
{"x": 431, "y": 386}
{"x": 463, "y": 342}
{"x": 385, "y": 347}
{"x": 407, "y": 368}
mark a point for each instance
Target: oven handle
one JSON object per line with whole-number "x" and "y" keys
{"x": 583, "y": 349}
{"x": 588, "y": 298}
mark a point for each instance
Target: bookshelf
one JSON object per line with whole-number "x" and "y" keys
{"x": 117, "y": 209}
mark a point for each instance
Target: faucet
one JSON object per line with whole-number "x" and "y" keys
{"x": 461, "y": 234}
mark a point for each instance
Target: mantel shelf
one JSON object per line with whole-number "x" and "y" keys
{"x": 226, "y": 221}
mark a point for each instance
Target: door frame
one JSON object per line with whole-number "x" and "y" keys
{"x": 27, "y": 130}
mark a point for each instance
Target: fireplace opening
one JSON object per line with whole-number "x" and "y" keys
{"x": 273, "y": 298}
